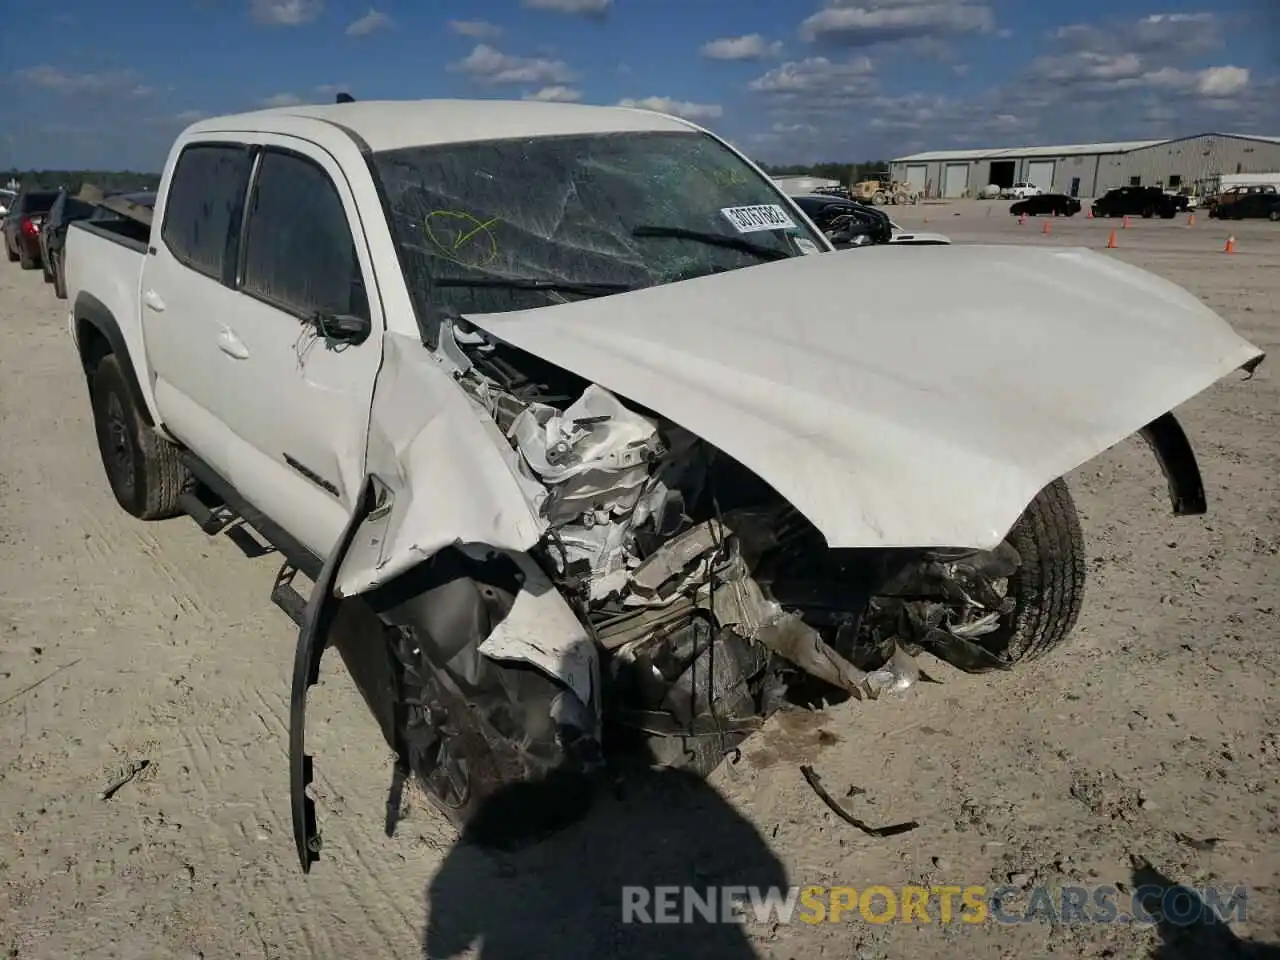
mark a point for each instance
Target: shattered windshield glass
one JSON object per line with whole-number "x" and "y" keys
{"x": 503, "y": 225}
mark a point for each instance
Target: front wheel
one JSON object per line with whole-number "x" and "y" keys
{"x": 1018, "y": 602}
{"x": 144, "y": 470}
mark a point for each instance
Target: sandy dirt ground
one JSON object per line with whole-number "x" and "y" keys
{"x": 1155, "y": 733}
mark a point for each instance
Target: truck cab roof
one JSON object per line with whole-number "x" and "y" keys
{"x": 395, "y": 124}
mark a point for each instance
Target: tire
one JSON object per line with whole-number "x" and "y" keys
{"x": 144, "y": 470}
{"x": 26, "y": 261}
{"x": 59, "y": 279}
{"x": 1274, "y": 216}
{"x": 8, "y": 252}
{"x": 1048, "y": 587}
{"x": 44, "y": 270}
{"x": 495, "y": 768}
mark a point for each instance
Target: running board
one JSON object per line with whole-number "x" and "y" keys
{"x": 285, "y": 596}
{"x": 212, "y": 520}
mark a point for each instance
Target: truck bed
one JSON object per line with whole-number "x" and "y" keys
{"x": 103, "y": 264}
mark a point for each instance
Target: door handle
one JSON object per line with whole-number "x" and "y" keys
{"x": 232, "y": 345}
{"x": 153, "y": 301}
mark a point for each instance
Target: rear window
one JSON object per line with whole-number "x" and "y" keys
{"x": 37, "y": 202}
{"x": 204, "y": 204}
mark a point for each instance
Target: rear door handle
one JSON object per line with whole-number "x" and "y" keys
{"x": 232, "y": 345}
{"x": 153, "y": 301}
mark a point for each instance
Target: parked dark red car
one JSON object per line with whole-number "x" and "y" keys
{"x": 22, "y": 226}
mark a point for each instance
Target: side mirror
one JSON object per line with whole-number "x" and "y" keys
{"x": 344, "y": 327}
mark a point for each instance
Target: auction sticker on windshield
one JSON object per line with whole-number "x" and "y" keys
{"x": 763, "y": 216}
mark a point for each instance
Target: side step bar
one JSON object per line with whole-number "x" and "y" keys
{"x": 285, "y": 596}
{"x": 212, "y": 520}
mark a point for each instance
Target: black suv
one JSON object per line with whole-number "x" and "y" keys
{"x": 846, "y": 223}
{"x": 1138, "y": 202}
{"x": 53, "y": 236}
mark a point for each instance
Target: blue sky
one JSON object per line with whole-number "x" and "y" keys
{"x": 90, "y": 84}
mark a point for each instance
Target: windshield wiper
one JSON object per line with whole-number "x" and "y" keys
{"x": 535, "y": 283}
{"x": 714, "y": 239}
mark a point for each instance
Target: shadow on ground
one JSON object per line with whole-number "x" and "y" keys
{"x": 563, "y": 897}
{"x": 1193, "y": 932}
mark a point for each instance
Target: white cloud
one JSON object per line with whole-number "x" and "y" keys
{"x": 677, "y": 108}
{"x": 577, "y": 8}
{"x": 1158, "y": 35}
{"x": 817, "y": 75}
{"x": 281, "y": 100}
{"x": 860, "y": 23}
{"x": 555, "y": 94}
{"x": 60, "y": 81}
{"x": 749, "y": 47}
{"x": 476, "y": 29}
{"x": 487, "y": 65}
{"x": 1222, "y": 81}
{"x": 286, "y": 13}
{"x": 371, "y": 22}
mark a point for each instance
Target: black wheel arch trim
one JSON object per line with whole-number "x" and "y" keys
{"x": 1168, "y": 441}
{"x": 90, "y": 312}
{"x": 322, "y": 607}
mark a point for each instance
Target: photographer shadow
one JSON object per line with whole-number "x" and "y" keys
{"x": 1196, "y": 934}
{"x": 562, "y": 896}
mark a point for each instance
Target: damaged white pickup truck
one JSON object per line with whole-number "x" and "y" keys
{"x": 562, "y": 412}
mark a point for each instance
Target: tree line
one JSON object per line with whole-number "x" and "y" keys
{"x": 846, "y": 173}
{"x": 110, "y": 181}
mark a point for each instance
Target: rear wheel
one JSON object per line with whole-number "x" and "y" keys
{"x": 26, "y": 260}
{"x": 144, "y": 470}
{"x": 59, "y": 278}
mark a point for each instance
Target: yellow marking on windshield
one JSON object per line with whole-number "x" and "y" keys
{"x": 471, "y": 235}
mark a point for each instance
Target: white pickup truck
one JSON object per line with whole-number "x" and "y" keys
{"x": 568, "y": 426}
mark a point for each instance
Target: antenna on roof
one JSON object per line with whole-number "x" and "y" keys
{"x": 345, "y": 98}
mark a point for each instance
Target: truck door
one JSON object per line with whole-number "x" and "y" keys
{"x": 187, "y": 297}
{"x": 303, "y": 386}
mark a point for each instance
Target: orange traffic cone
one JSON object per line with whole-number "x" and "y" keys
{"x": 1047, "y": 227}
{"x": 1231, "y": 245}
{"x": 1125, "y": 223}
{"x": 1090, "y": 216}
{"x": 1191, "y": 219}
{"x": 1111, "y": 241}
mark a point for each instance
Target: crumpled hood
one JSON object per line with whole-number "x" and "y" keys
{"x": 900, "y": 398}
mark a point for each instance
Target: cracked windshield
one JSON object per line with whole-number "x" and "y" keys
{"x": 513, "y": 224}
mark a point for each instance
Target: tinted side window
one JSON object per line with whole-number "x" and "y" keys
{"x": 202, "y": 212}
{"x": 298, "y": 248}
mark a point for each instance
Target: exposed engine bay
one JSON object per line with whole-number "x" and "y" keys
{"x": 712, "y": 601}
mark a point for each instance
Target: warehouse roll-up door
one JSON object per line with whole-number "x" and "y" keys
{"x": 917, "y": 175}
{"x": 1040, "y": 172}
{"x": 955, "y": 180}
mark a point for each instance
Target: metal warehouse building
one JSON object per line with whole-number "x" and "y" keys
{"x": 1090, "y": 169}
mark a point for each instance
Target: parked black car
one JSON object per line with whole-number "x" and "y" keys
{"x": 846, "y": 223}
{"x": 22, "y": 226}
{"x": 1138, "y": 202}
{"x": 1057, "y": 204}
{"x": 66, "y": 210}
{"x": 1252, "y": 206}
